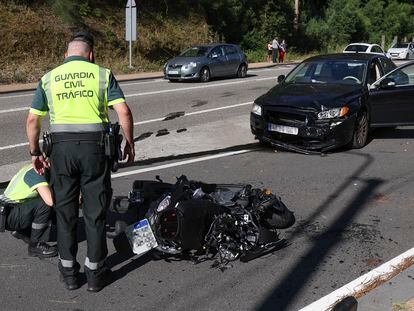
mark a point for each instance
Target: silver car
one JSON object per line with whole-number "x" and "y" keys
{"x": 203, "y": 62}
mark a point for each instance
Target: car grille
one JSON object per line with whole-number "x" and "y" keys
{"x": 175, "y": 66}
{"x": 278, "y": 117}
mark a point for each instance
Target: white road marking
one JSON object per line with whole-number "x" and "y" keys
{"x": 195, "y": 113}
{"x": 162, "y": 80}
{"x": 14, "y": 96}
{"x": 180, "y": 163}
{"x": 361, "y": 283}
{"x": 151, "y": 121}
{"x": 163, "y": 91}
{"x": 14, "y": 146}
{"x": 271, "y": 69}
{"x": 15, "y": 109}
{"x": 196, "y": 87}
{"x": 142, "y": 82}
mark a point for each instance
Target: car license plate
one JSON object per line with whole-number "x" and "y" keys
{"x": 283, "y": 129}
{"x": 395, "y": 54}
{"x": 141, "y": 237}
{"x": 173, "y": 72}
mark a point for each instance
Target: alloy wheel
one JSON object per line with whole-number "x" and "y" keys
{"x": 361, "y": 131}
{"x": 205, "y": 75}
{"x": 242, "y": 72}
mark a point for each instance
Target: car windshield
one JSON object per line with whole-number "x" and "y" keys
{"x": 195, "y": 51}
{"x": 356, "y": 48}
{"x": 400, "y": 46}
{"x": 328, "y": 71}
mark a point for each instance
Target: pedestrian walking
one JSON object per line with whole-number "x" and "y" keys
{"x": 269, "y": 51}
{"x": 26, "y": 206}
{"x": 77, "y": 95}
{"x": 275, "y": 49}
{"x": 282, "y": 51}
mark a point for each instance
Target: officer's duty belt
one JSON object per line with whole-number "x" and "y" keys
{"x": 82, "y": 136}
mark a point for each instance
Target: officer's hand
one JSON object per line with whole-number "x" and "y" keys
{"x": 39, "y": 164}
{"x": 129, "y": 151}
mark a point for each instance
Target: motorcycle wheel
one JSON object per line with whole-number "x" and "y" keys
{"x": 281, "y": 220}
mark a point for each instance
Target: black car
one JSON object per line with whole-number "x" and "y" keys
{"x": 332, "y": 100}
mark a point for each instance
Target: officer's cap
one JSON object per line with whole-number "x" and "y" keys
{"x": 84, "y": 36}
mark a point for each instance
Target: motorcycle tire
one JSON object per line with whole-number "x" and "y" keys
{"x": 281, "y": 220}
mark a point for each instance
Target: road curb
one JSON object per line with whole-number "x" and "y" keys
{"x": 15, "y": 88}
{"x": 365, "y": 283}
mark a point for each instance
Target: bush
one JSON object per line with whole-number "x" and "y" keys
{"x": 254, "y": 56}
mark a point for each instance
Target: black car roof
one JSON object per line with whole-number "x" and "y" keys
{"x": 345, "y": 56}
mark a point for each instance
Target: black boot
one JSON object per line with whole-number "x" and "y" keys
{"x": 42, "y": 250}
{"x": 98, "y": 279}
{"x": 70, "y": 276}
{"x": 70, "y": 282}
{"x": 20, "y": 236}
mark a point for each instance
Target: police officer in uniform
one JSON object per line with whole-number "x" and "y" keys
{"x": 28, "y": 204}
{"x": 77, "y": 95}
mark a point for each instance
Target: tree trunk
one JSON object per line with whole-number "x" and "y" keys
{"x": 296, "y": 17}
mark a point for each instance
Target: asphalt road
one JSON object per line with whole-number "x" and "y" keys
{"x": 354, "y": 208}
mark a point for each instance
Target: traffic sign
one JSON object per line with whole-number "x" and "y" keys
{"x": 130, "y": 26}
{"x": 131, "y": 21}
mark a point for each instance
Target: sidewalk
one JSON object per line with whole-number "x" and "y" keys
{"x": 19, "y": 87}
{"x": 395, "y": 295}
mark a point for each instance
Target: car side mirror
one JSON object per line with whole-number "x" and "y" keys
{"x": 213, "y": 56}
{"x": 387, "y": 83}
{"x": 280, "y": 78}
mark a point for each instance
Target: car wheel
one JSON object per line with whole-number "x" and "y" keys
{"x": 242, "y": 71}
{"x": 204, "y": 74}
{"x": 361, "y": 130}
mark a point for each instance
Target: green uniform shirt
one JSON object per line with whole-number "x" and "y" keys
{"x": 23, "y": 185}
{"x": 77, "y": 95}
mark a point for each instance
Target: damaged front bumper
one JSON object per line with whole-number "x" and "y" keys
{"x": 315, "y": 138}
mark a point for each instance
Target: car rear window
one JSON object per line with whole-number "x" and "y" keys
{"x": 356, "y": 48}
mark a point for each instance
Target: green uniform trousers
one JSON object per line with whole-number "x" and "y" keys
{"x": 80, "y": 167}
{"x": 30, "y": 218}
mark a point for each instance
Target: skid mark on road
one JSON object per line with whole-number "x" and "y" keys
{"x": 199, "y": 103}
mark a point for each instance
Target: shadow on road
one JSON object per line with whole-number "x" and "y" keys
{"x": 393, "y": 133}
{"x": 297, "y": 277}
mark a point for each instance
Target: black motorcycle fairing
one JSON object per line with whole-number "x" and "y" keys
{"x": 195, "y": 220}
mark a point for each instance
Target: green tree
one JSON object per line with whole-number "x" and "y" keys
{"x": 346, "y": 22}
{"x": 398, "y": 20}
{"x": 374, "y": 13}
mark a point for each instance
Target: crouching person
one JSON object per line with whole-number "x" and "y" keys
{"x": 27, "y": 206}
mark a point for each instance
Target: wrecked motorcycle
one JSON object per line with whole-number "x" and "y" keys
{"x": 200, "y": 221}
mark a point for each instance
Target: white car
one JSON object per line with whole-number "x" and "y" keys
{"x": 364, "y": 48}
{"x": 401, "y": 51}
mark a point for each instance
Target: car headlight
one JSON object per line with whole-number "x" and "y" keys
{"x": 190, "y": 65}
{"x": 256, "y": 109}
{"x": 333, "y": 113}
